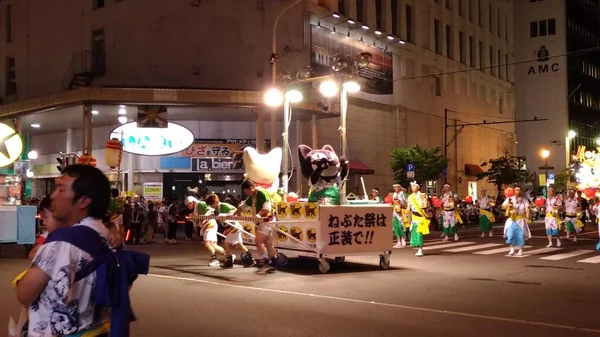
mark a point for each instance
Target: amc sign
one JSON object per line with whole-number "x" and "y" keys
{"x": 153, "y": 141}
{"x": 217, "y": 165}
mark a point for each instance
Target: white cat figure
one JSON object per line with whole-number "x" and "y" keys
{"x": 263, "y": 169}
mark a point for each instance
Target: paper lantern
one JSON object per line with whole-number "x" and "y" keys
{"x": 389, "y": 199}
{"x": 437, "y": 203}
{"x": 113, "y": 153}
{"x": 509, "y": 192}
{"x": 539, "y": 202}
{"x": 291, "y": 197}
{"x": 469, "y": 199}
{"x": 87, "y": 159}
{"x": 589, "y": 192}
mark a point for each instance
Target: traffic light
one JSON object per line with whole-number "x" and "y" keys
{"x": 65, "y": 160}
{"x": 61, "y": 164}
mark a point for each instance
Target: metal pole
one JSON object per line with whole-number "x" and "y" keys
{"x": 446, "y": 142}
{"x": 274, "y": 69}
{"x": 286, "y": 146}
{"x": 567, "y": 152}
{"x": 546, "y": 173}
{"x": 344, "y": 144}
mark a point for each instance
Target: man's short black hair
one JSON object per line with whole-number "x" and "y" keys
{"x": 114, "y": 192}
{"x": 90, "y": 182}
{"x": 246, "y": 184}
{"x": 45, "y": 204}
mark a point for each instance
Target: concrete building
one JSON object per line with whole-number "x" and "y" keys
{"x": 560, "y": 82}
{"x": 209, "y": 62}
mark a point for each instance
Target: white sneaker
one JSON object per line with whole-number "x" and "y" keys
{"x": 214, "y": 263}
{"x": 455, "y": 237}
{"x": 549, "y": 245}
{"x": 482, "y": 235}
{"x": 419, "y": 252}
{"x": 491, "y": 234}
{"x": 558, "y": 244}
{"x": 520, "y": 253}
{"x": 398, "y": 245}
{"x": 233, "y": 258}
{"x": 512, "y": 252}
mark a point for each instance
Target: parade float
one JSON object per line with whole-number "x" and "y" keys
{"x": 586, "y": 167}
{"x": 323, "y": 226}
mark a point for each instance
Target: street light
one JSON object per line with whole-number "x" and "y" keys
{"x": 273, "y": 98}
{"x": 545, "y": 154}
{"x": 328, "y": 88}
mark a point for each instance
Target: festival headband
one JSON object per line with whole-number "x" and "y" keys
{"x": 414, "y": 183}
{"x": 447, "y": 185}
{"x": 396, "y": 185}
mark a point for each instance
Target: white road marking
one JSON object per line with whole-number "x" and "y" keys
{"x": 568, "y": 255}
{"x": 496, "y": 251}
{"x": 594, "y": 260}
{"x": 538, "y": 251}
{"x": 447, "y": 245}
{"x": 383, "y": 304}
{"x": 466, "y": 249}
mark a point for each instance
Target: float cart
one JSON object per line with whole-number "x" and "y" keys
{"x": 17, "y": 223}
{"x": 324, "y": 232}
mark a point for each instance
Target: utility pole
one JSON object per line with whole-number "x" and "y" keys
{"x": 446, "y": 142}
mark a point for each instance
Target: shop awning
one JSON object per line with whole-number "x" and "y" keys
{"x": 357, "y": 167}
{"x": 472, "y": 170}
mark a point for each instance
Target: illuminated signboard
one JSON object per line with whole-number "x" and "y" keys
{"x": 11, "y": 145}
{"x": 153, "y": 141}
{"x": 587, "y": 170}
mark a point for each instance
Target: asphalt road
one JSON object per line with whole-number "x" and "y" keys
{"x": 445, "y": 293}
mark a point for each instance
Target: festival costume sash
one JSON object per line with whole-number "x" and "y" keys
{"x": 422, "y": 220}
{"x": 488, "y": 214}
{"x": 555, "y": 216}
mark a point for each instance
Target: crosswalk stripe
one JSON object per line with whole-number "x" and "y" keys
{"x": 539, "y": 251}
{"x": 466, "y": 249}
{"x": 594, "y": 259}
{"x": 438, "y": 242}
{"x": 448, "y": 245}
{"x": 563, "y": 256}
{"x": 496, "y": 251}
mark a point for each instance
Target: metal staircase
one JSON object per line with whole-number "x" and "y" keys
{"x": 82, "y": 70}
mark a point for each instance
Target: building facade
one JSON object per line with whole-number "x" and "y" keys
{"x": 433, "y": 58}
{"x": 557, "y": 78}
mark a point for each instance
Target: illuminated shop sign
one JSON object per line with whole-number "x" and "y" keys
{"x": 153, "y": 141}
{"x": 587, "y": 169}
{"x": 11, "y": 145}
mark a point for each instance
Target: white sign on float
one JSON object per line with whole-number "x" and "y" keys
{"x": 153, "y": 141}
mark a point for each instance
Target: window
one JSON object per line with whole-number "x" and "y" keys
{"x": 449, "y": 5}
{"x": 533, "y": 29}
{"x": 98, "y": 52}
{"x": 449, "y": 41}
{"x": 322, "y": 3}
{"x": 506, "y": 65}
{"x": 460, "y": 8}
{"x": 543, "y": 28}
{"x": 438, "y": 85}
{"x": 500, "y": 73}
{"x": 360, "y": 15}
{"x": 506, "y": 27}
{"x": 378, "y": 14}
{"x": 409, "y": 24}
{"x": 461, "y": 47}
{"x": 97, "y": 4}
{"x": 437, "y": 1}
{"x": 436, "y": 37}
{"x": 11, "y": 77}
{"x": 395, "y": 17}
{"x": 490, "y": 17}
{"x": 470, "y": 9}
{"x": 472, "y": 52}
{"x": 480, "y": 11}
{"x": 342, "y": 7}
{"x": 552, "y": 27}
{"x": 498, "y": 30}
{"x": 8, "y": 22}
{"x": 480, "y": 56}
{"x": 492, "y": 68}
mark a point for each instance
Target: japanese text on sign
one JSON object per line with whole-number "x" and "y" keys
{"x": 350, "y": 225}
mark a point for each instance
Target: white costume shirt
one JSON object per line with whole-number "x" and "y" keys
{"x": 446, "y": 201}
{"x": 550, "y": 203}
{"x": 484, "y": 202}
{"x": 571, "y": 206}
{"x": 412, "y": 207}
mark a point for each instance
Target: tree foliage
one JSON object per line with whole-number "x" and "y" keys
{"x": 429, "y": 163}
{"x": 563, "y": 178}
{"x": 503, "y": 170}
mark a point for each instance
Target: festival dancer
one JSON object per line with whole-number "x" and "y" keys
{"x": 417, "y": 203}
{"x": 552, "y": 220}
{"x": 449, "y": 213}
{"x": 486, "y": 217}
{"x": 209, "y": 229}
{"x": 516, "y": 229}
{"x": 232, "y": 233}
{"x": 399, "y": 202}
{"x": 259, "y": 202}
{"x": 572, "y": 223}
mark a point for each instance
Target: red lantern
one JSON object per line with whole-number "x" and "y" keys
{"x": 589, "y": 192}
{"x": 539, "y": 202}
{"x": 291, "y": 197}
{"x": 469, "y": 199}
{"x": 437, "y": 202}
{"x": 509, "y": 192}
{"x": 389, "y": 199}
{"x": 113, "y": 153}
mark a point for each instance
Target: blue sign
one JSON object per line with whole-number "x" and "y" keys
{"x": 550, "y": 178}
{"x": 410, "y": 167}
{"x": 445, "y": 173}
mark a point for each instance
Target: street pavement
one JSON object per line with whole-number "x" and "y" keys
{"x": 452, "y": 291}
